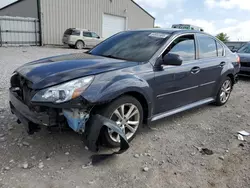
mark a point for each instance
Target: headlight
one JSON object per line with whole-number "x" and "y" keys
{"x": 63, "y": 92}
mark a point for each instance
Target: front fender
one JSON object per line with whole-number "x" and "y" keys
{"x": 104, "y": 89}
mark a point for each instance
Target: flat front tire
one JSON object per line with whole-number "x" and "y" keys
{"x": 127, "y": 112}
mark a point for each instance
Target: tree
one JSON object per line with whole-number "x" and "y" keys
{"x": 223, "y": 37}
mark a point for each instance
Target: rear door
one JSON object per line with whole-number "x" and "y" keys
{"x": 211, "y": 62}
{"x": 177, "y": 86}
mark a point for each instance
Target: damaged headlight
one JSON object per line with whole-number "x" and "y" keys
{"x": 63, "y": 92}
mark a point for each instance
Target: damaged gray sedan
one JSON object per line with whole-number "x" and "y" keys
{"x": 132, "y": 78}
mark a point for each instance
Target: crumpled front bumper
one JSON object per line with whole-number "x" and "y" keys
{"x": 91, "y": 134}
{"x": 24, "y": 114}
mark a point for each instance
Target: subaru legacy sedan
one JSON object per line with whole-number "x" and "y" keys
{"x": 133, "y": 77}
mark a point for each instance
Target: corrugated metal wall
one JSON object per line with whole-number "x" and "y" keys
{"x": 15, "y": 31}
{"x": 58, "y": 15}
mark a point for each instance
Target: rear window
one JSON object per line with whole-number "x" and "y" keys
{"x": 245, "y": 49}
{"x": 72, "y": 32}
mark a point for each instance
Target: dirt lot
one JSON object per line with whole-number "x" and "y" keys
{"x": 167, "y": 148}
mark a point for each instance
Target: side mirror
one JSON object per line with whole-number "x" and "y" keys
{"x": 98, "y": 37}
{"x": 234, "y": 50}
{"x": 172, "y": 59}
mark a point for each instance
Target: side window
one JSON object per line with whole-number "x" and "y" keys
{"x": 183, "y": 46}
{"x": 207, "y": 46}
{"x": 219, "y": 49}
{"x": 86, "y": 34}
{"x": 75, "y": 32}
{"x": 94, "y": 35}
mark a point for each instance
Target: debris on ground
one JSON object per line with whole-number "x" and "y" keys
{"x": 222, "y": 158}
{"x": 40, "y": 165}
{"x": 241, "y": 145}
{"x": 240, "y": 137}
{"x": 145, "y": 169}
{"x": 25, "y": 165}
{"x": 136, "y": 156}
{"x": 1, "y": 135}
{"x": 7, "y": 168}
{"x": 88, "y": 165}
{"x": 205, "y": 151}
{"x": 67, "y": 153}
{"x": 244, "y": 133}
{"x": 26, "y": 144}
{"x": 3, "y": 139}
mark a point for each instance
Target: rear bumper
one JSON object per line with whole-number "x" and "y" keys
{"x": 24, "y": 114}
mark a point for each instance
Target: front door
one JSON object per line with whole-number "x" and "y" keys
{"x": 96, "y": 39}
{"x": 87, "y": 38}
{"x": 177, "y": 86}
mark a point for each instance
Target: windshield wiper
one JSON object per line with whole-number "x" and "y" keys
{"x": 111, "y": 56}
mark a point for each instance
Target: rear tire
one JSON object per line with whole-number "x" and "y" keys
{"x": 130, "y": 125}
{"x": 224, "y": 92}
{"x": 80, "y": 45}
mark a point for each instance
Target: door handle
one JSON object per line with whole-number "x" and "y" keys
{"x": 222, "y": 64}
{"x": 195, "y": 70}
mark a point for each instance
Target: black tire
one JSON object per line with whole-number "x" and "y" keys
{"x": 80, "y": 45}
{"x": 108, "y": 110}
{"x": 219, "y": 101}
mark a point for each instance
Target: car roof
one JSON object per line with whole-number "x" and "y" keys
{"x": 171, "y": 30}
{"x": 80, "y": 29}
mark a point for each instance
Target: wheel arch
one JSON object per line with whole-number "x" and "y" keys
{"x": 137, "y": 95}
{"x": 79, "y": 40}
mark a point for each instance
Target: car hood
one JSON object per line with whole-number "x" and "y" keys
{"x": 244, "y": 57}
{"x": 55, "y": 70}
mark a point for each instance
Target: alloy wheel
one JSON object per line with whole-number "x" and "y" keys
{"x": 126, "y": 116}
{"x": 225, "y": 91}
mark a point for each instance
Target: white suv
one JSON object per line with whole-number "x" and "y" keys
{"x": 80, "y": 38}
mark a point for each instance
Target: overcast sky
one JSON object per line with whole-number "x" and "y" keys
{"x": 229, "y": 16}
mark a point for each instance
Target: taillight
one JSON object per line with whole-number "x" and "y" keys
{"x": 238, "y": 59}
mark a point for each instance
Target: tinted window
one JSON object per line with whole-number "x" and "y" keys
{"x": 183, "y": 46}
{"x": 245, "y": 49}
{"x": 94, "y": 35}
{"x": 219, "y": 49}
{"x": 72, "y": 32}
{"x": 86, "y": 34}
{"x": 207, "y": 47}
{"x": 75, "y": 32}
{"x": 137, "y": 46}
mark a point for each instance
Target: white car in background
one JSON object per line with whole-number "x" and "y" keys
{"x": 80, "y": 38}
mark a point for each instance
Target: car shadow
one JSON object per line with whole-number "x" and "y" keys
{"x": 244, "y": 78}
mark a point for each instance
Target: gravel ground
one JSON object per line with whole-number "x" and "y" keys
{"x": 166, "y": 154}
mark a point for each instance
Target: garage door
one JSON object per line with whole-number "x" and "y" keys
{"x": 112, "y": 25}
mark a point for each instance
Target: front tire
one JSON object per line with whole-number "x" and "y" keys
{"x": 127, "y": 112}
{"x": 224, "y": 92}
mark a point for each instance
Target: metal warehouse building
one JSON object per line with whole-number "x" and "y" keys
{"x": 105, "y": 17}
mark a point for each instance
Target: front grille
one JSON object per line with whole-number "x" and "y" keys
{"x": 245, "y": 64}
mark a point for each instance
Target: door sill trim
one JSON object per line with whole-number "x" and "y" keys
{"x": 181, "y": 109}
